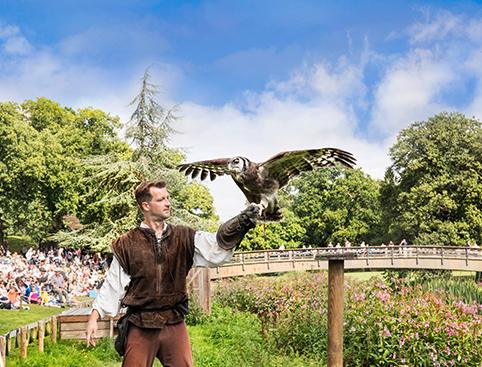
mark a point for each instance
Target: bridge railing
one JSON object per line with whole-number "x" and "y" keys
{"x": 361, "y": 253}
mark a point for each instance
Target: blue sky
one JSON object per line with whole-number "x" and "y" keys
{"x": 253, "y": 77}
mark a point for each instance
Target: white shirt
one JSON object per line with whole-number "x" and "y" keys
{"x": 207, "y": 253}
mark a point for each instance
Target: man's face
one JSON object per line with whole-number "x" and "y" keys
{"x": 159, "y": 208}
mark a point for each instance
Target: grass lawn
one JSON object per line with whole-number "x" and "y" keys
{"x": 364, "y": 275}
{"x": 464, "y": 274}
{"x": 68, "y": 354}
{"x": 206, "y": 353}
{"x": 12, "y": 319}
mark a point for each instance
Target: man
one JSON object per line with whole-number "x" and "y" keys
{"x": 148, "y": 275}
{"x": 58, "y": 287}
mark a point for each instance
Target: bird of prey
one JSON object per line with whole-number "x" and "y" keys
{"x": 260, "y": 181}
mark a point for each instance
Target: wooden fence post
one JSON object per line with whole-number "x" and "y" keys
{"x": 41, "y": 335}
{"x": 3, "y": 351}
{"x": 9, "y": 343}
{"x": 23, "y": 342}
{"x": 335, "y": 312}
{"x": 54, "y": 329}
{"x": 111, "y": 327}
{"x": 204, "y": 290}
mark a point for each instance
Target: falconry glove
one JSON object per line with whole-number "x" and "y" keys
{"x": 231, "y": 233}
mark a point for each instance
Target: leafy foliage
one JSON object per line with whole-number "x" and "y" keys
{"x": 41, "y": 146}
{"x": 336, "y": 204}
{"x": 68, "y": 354}
{"x": 113, "y": 178}
{"x": 432, "y": 193}
{"x": 382, "y": 327}
{"x": 232, "y": 339}
{"x": 288, "y": 233}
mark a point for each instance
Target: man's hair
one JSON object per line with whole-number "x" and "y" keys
{"x": 142, "y": 191}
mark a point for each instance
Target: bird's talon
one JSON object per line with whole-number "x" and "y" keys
{"x": 260, "y": 207}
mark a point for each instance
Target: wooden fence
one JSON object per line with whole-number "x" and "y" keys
{"x": 23, "y": 336}
{"x": 37, "y": 331}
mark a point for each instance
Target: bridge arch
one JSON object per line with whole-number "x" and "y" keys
{"x": 357, "y": 258}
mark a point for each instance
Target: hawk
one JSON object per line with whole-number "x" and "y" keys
{"x": 260, "y": 181}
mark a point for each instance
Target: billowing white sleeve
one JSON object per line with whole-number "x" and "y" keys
{"x": 112, "y": 291}
{"x": 207, "y": 252}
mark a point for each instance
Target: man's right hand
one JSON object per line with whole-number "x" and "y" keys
{"x": 91, "y": 329}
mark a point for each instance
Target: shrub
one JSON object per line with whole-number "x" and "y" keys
{"x": 383, "y": 327}
{"x": 411, "y": 327}
{"x": 231, "y": 338}
{"x": 196, "y": 314}
{"x": 456, "y": 289}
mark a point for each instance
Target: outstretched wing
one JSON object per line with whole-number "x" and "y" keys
{"x": 286, "y": 165}
{"x": 211, "y": 168}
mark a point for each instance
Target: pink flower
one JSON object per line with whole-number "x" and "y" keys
{"x": 386, "y": 333}
{"x": 383, "y": 296}
{"x": 359, "y": 297}
{"x": 450, "y": 331}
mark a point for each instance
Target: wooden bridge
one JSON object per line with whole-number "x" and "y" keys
{"x": 358, "y": 258}
{"x": 336, "y": 260}
{"x": 355, "y": 258}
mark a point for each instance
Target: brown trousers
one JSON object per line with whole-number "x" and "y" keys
{"x": 170, "y": 345}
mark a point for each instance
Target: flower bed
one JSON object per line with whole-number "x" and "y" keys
{"x": 383, "y": 327}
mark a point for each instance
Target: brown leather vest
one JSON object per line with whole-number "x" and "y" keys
{"x": 158, "y": 271}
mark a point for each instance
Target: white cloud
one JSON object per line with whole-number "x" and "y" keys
{"x": 317, "y": 105}
{"x": 13, "y": 41}
{"x": 17, "y": 45}
{"x": 435, "y": 27}
{"x": 408, "y": 92}
{"x": 443, "y": 26}
{"x": 297, "y": 113}
{"x": 473, "y": 65}
{"x": 7, "y": 31}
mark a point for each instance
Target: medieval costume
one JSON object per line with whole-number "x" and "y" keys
{"x": 148, "y": 276}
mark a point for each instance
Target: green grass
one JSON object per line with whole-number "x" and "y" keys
{"x": 226, "y": 339}
{"x": 234, "y": 339}
{"x": 12, "y": 319}
{"x": 364, "y": 275}
{"x": 68, "y": 354}
{"x": 464, "y": 274}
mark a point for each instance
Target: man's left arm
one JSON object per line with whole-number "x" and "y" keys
{"x": 212, "y": 249}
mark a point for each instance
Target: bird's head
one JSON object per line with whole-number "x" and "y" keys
{"x": 238, "y": 164}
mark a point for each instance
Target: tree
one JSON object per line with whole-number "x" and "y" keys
{"x": 336, "y": 204}
{"x": 21, "y": 168}
{"x": 432, "y": 193}
{"x": 40, "y": 171}
{"x": 289, "y": 233}
{"x": 112, "y": 210}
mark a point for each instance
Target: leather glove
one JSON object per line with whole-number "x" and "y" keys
{"x": 231, "y": 233}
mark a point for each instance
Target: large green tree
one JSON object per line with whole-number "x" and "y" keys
{"x": 289, "y": 232}
{"x": 112, "y": 209}
{"x": 334, "y": 205}
{"x": 41, "y": 173}
{"x": 432, "y": 193}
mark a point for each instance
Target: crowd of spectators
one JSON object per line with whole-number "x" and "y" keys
{"x": 53, "y": 277}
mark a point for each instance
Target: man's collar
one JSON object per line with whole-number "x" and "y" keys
{"x": 164, "y": 229}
